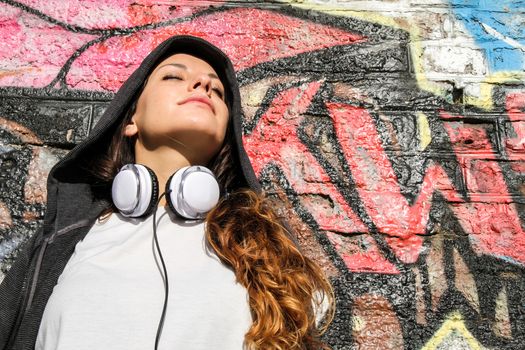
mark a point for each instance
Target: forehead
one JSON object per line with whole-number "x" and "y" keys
{"x": 191, "y": 63}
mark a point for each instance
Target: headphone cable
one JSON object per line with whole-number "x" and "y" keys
{"x": 164, "y": 271}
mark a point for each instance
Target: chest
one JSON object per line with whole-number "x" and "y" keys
{"x": 114, "y": 281}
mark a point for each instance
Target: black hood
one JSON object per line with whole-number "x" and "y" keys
{"x": 70, "y": 192}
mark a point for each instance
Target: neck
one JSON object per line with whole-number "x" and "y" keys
{"x": 163, "y": 161}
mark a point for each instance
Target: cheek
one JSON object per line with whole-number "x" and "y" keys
{"x": 224, "y": 121}
{"x": 143, "y": 111}
{"x": 160, "y": 100}
{"x": 224, "y": 116}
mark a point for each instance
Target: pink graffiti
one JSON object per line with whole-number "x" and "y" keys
{"x": 33, "y": 51}
{"x": 108, "y": 14}
{"x": 248, "y": 36}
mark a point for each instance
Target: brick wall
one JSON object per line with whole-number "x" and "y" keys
{"x": 394, "y": 132}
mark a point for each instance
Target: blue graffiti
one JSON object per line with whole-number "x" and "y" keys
{"x": 498, "y": 27}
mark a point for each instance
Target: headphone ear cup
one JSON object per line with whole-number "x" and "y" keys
{"x": 192, "y": 192}
{"x": 135, "y": 190}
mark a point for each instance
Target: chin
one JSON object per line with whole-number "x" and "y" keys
{"x": 205, "y": 143}
{"x": 197, "y": 124}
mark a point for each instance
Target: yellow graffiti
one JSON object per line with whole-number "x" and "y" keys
{"x": 483, "y": 100}
{"x": 424, "y": 131}
{"x": 358, "y": 324}
{"x": 453, "y": 324}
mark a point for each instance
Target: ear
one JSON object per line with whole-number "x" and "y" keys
{"x": 131, "y": 129}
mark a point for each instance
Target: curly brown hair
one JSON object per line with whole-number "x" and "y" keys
{"x": 286, "y": 289}
{"x": 283, "y": 285}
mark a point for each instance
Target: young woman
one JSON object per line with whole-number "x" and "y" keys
{"x": 143, "y": 247}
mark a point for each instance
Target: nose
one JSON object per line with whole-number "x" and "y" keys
{"x": 201, "y": 81}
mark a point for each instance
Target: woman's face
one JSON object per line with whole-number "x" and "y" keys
{"x": 183, "y": 107}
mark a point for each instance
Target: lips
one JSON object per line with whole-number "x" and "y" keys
{"x": 199, "y": 99}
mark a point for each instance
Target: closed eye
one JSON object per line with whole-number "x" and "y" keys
{"x": 168, "y": 77}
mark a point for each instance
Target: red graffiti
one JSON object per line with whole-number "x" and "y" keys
{"x": 488, "y": 216}
{"x": 275, "y": 140}
{"x": 515, "y": 143}
{"x": 377, "y": 183}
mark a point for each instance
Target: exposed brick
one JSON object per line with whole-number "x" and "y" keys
{"x": 469, "y": 138}
{"x": 375, "y": 324}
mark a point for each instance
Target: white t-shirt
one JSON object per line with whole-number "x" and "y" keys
{"x": 111, "y": 293}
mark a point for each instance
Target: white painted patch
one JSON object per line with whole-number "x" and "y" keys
{"x": 502, "y": 37}
{"x": 35, "y": 187}
{"x": 450, "y": 58}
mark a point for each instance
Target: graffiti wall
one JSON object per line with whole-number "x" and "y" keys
{"x": 393, "y": 132}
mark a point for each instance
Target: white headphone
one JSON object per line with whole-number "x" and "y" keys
{"x": 191, "y": 192}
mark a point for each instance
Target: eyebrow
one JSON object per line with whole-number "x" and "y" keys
{"x": 179, "y": 65}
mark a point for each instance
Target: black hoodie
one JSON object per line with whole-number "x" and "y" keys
{"x": 73, "y": 207}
